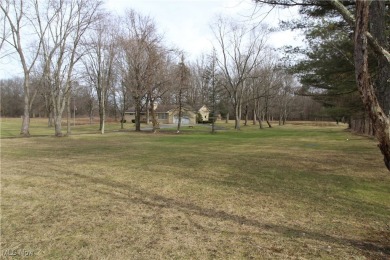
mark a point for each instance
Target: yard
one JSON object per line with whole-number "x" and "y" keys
{"x": 301, "y": 191}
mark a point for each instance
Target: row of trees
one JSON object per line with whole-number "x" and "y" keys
{"x": 62, "y": 44}
{"x": 348, "y": 46}
{"x": 84, "y": 102}
{"x": 76, "y": 54}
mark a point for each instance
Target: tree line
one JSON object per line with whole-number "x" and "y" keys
{"x": 82, "y": 57}
{"x": 347, "y": 61}
{"x": 66, "y": 45}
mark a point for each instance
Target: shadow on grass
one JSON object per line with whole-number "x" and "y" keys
{"x": 376, "y": 249}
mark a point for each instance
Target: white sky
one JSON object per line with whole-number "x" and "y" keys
{"x": 186, "y": 23}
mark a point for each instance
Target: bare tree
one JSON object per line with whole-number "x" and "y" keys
{"x": 197, "y": 93}
{"x": 99, "y": 62}
{"x": 182, "y": 85}
{"x": 88, "y": 99}
{"x": 284, "y": 97}
{"x": 137, "y": 41}
{"x": 160, "y": 82}
{"x": 5, "y": 29}
{"x": 212, "y": 81}
{"x": 19, "y": 17}
{"x": 61, "y": 47}
{"x": 239, "y": 49}
{"x": 123, "y": 95}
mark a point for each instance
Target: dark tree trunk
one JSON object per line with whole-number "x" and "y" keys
{"x": 377, "y": 29}
{"x": 381, "y": 124}
{"x": 254, "y": 115}
{"x": 122, "y": 119}
{"x": 50, "y": 119}
{"x": 246, "y": 116}
{"x": 180, "y": 113}
{"x": 259, "y": 118}
{"x": 137, "y": 113}
{"x": 101, "y": 109}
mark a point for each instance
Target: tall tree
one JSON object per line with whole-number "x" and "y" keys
{"x": 285, "y": 96}
{"x": 380, "y": 121}
{"x": 265, "y": 84}
{"x": 326, "y": 70}
{"x": 61, "y": 47}
{"x": 182, "y": 86}
{"x": 197, "y": 93}
{"x": 138, "y": 37}
{"x": 239, "y": 48}
{"x": 19, "y": 18}
{"x": 160, "y": 82}
{"x": 99, "y": 62}
{"x": 213, "y": 83}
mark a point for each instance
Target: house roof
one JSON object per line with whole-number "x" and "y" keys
{"x": 204, "y": 108}
{"x": 162, "y": 108}
{"x": 165, "y": 108}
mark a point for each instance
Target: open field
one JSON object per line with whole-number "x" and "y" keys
{"x": 301, "y": 191}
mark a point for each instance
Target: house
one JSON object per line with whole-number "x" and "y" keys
{"x": 204, "y": 113}
{"x": 165, "y": 114}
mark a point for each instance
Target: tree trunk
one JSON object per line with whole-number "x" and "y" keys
{"x": 280, "y": 117}
{"x": 254, "y": 115}
{"x": 147, "y": 111}
{"x": 268, "y": 122}
{"x": 259, "y": 119}
{"x": 68, "y": 115}
{"x": 103, "y": 121}
{"x": 101, "y": 100}
{"x": 153, "y": 115}
{"x": 284, "y": 116}
{"x": 267, "y": 117}
{"x": 103, "y": 116}
{"x": 122, "y": 119}
{"x": 237, "y": 116}
{"x": 381, "y": 123}
{"x": 90, "y": 117}
{"x": 246, "y": 115}
{"x": 57, "y": 125}
{"x": 59, "y": 106}
{"x": 213, "y": 120}
{"x": 115, "y": 106}
{"x": 377, "y": 29}
{"x": 180, "y": 108}
{"x": 50, "y": 119}
{"x": 137, "y": 113}
{"x": 25, "y": 129}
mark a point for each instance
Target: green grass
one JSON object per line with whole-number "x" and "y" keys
{"x": 296, "y": 191}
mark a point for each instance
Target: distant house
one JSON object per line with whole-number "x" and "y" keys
{"x": 204, "y": 113}
{"x": 166, "y": 114}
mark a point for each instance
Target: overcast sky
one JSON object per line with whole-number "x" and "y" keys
{"x": 186, "y": 23}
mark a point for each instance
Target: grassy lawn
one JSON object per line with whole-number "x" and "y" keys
{"x": 301, "y": 191}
